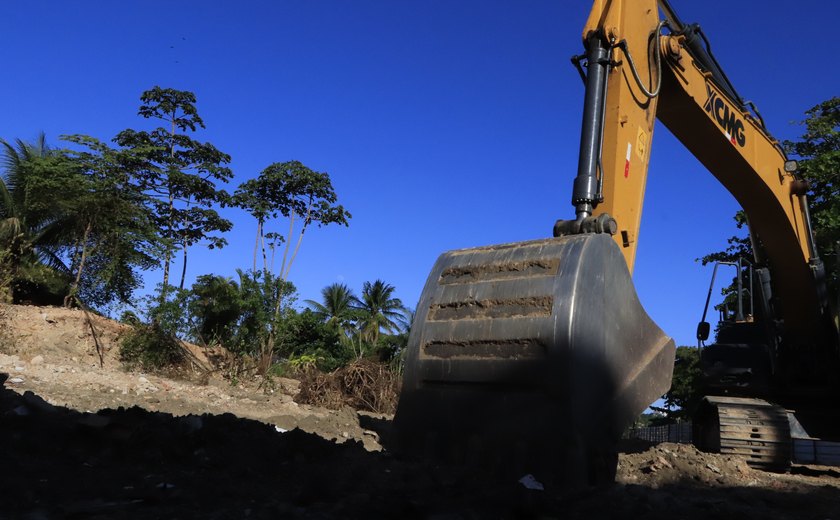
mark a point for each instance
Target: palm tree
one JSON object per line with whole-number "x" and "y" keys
{"x": 337, "y": 307}
{"x": 28, "y": 234}
{"x": 379, "y": 311}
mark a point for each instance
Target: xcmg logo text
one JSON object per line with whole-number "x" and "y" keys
{"x": 719, "y": 110}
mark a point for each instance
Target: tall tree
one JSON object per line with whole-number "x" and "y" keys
{"x": 179, "y": 172}
{"x": 296, "y": 192}
{"x": 380, "y": 311}
{"x": 110, "y": 220}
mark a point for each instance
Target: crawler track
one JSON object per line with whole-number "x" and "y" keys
{"x": 752, "y": 429}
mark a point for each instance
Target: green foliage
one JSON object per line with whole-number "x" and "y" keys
{"x": 178, "y": 173}
{"x": 375, "y": 324}
{"x": 83, "y": 223}
{"x": 818, "y": 155}
{"x": 303, "y": 362}
{"x": 114, "y": 235}
{"x": 216, "y": 304}
{"x": 297, "y": 193}
{"x": 30, "y": 226}
{"x": 72, "y": 224}
{"x": 167, "y": 310}
{"x": 378, "y": 310}
{"x": 337, "y": 308}
{"x": 150, "y": 347}
{"x": 304, "y": 334}
{"x": 130, "y": 318}
{"x": 6, "y": 279}
{"x": 260, "y": 292}
{"x": 36, "y": 283}
{"x": 155, "y": 345}
{"x": 238, "y": 315}
{"x": 686, "y": 386}
{"x": 737, "y": 247}
{"x": 390, "y": 347}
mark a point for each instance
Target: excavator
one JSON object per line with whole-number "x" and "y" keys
{"x": 533, "y": 357}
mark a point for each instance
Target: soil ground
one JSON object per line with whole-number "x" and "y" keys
{"x": 84, "y": 439}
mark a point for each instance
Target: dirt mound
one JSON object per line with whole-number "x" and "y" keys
{"x": 61, "y": 333}
{"x": 668, "y": 463}
{"x": 57, "y": 332}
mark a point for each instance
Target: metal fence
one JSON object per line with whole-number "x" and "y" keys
{"x": 816, "y": 451}
{"x": 679, "y": 432}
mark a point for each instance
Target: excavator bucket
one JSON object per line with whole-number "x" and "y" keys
{"x": 530, "y": 358}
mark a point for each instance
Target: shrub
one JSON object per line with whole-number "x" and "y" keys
{"x": 151, "y": 348}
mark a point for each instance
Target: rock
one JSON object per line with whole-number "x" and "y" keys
{"x": 37, "y": 360}
{"x": 16, "y": 380}
{"x": 662, "y": 462}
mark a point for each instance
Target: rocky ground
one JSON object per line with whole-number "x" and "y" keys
{"x": 83, "y": 439}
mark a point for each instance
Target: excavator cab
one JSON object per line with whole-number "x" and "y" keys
{"x": 742, "y": 359}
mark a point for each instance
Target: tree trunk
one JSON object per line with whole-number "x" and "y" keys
{"x": 167, "y": 257}
{"x": 168, "y": 254}
{"x": 183, "y": 269}
{"x": 77, "y": 253}
{"x": 273, "y": 250}
{"x": 288, "y": 244}
{"x": 294, "y": 254}
{"x": 262, "y": 248}
{"x": 75, "y": 287}
{"x": 257, "y": 242}
{"x": 285, "y": 275}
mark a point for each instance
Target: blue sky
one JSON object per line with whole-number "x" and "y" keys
{"x": 443, "y": 124}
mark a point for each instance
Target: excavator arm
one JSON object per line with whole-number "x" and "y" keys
{"x": 641, "y": 68}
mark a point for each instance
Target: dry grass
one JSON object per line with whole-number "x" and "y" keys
{"x": 363, "y": 385}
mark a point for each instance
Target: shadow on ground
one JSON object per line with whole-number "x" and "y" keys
{"x": 131, "y": 463}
